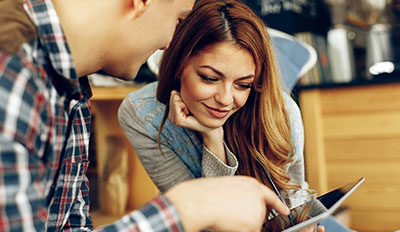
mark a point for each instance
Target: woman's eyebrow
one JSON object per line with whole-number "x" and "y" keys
{"x": 221, "y": 74}
{"x": 246, "y": 77}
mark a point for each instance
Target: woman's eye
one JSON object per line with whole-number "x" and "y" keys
{"x": 245, "y": 85}
{"x": 208, "y": 79}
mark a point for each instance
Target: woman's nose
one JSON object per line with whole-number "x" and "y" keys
{"x": 224, "y": 96}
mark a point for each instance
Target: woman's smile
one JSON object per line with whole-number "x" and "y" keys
{"x": 215, "y": 112}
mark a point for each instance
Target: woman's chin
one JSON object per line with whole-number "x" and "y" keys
{"x": 213, "y": 123}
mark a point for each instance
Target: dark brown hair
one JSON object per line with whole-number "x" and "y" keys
{"x": 259, "y": 133}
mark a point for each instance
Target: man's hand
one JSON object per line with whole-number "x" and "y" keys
{"x": 312, "y": 229}
{"x": 235, "y": 203}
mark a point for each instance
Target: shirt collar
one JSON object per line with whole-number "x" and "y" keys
{"x": 51, "y": 35}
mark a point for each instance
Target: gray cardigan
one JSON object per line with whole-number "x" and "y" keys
{"x": 183, "y": 155}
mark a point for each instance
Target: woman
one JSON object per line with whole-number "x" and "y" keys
{"x": 218, "y": 108}
{"x": 263, "y": 128}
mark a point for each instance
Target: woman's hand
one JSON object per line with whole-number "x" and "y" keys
{"x": 179, "y": 114}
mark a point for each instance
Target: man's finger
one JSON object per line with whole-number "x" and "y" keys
{"x": 273, "y": 201}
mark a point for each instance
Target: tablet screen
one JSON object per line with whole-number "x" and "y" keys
{"x": 318, "y": 209}
{"x": 329, "y": 199}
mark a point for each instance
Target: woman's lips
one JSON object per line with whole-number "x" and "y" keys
{"x": 217, "y": 112}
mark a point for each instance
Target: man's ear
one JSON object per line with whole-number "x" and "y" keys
{"x": 139, "y": 6}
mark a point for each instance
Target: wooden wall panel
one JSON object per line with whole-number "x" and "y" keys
{"x": 362, "y": 125}
{"x": 387, "y": 148}
{"x": 375, "y": 221}
{"x": 378, "y": 173}
{"x": 384, "y": 198}
{"x": 360, "y": 129}
{"x": 361, "y": 99}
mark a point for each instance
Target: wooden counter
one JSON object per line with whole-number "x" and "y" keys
{"x": 353, "y": 131}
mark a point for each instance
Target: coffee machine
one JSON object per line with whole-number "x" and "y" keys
{"x": 383, "y": 47}
{"x": 382, "y": 50}
{"x": 365, "y": 39}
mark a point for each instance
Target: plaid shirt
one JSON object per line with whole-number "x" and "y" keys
{"x": 40, "y": 95}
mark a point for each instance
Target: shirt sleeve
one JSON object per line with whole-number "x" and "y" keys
{"x": 79, "y": 218}
{"x": 212, "y": 166}
{"x": 22, "y": 191}
{"x": 22, "y": 201}
{"x": 157, "y": 215}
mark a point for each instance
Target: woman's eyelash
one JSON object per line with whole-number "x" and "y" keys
{"x": 206, "y": 78}
{"x": 246, "y": 86}
{"x": 211, "y": 79}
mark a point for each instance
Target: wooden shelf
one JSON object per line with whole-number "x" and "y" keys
{"x": 113, "y": 93}
{"x": 105, "y": 103}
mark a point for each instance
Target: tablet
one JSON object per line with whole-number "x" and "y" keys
{"x": 331, "y": 201}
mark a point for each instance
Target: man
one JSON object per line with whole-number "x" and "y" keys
{"x": 46, "y": 50}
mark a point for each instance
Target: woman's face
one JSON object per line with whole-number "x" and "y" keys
{"x": 216, "y": 82}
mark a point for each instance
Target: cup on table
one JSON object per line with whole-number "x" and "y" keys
{"x": 299, "y": 203}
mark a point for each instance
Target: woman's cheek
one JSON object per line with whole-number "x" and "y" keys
{"x": 242, "y": 99}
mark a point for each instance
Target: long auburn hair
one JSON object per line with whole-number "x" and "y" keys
{"x": 259, "y": 133}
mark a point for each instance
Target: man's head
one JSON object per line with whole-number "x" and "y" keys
{"x": 118, "y": 36}
{"x": 143, "y": 34}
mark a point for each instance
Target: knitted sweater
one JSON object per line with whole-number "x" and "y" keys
{"x": 183, "y": 155}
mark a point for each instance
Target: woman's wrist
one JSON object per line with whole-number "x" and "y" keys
{"x": 214, "y": 141}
